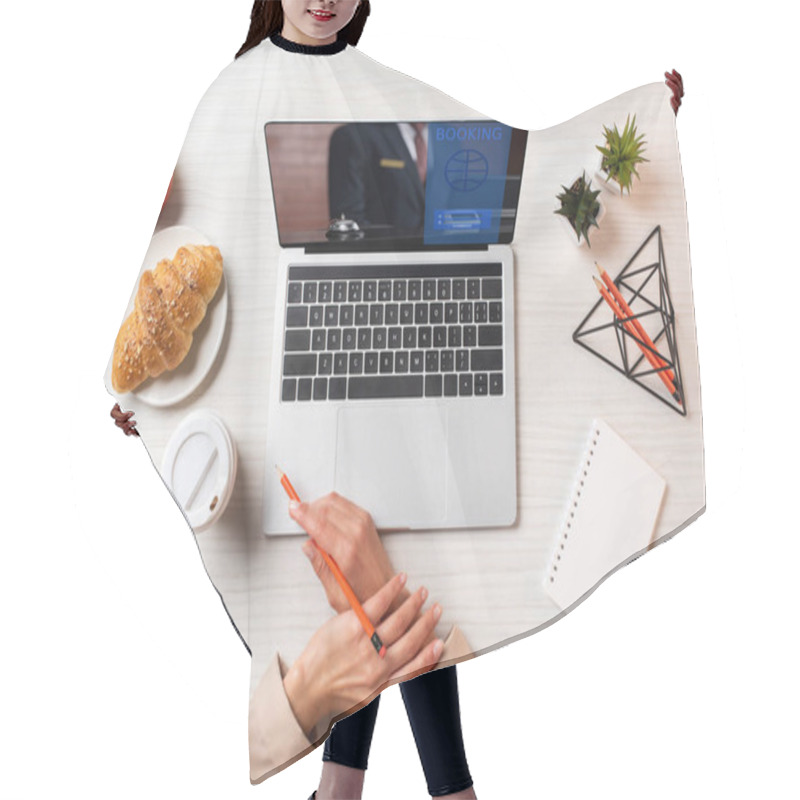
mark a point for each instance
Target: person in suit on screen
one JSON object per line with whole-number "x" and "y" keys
{"x": 377, "y": 173}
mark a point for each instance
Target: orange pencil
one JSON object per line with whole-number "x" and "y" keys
{"x": 654, "y": 362}
{"x": 340, "y": 578}
{"x": 617, "y": 295}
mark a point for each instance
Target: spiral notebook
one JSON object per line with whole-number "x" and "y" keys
{"x": 610, "y": 519}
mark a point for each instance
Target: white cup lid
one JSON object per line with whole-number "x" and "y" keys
{"x": 199, "y": 466}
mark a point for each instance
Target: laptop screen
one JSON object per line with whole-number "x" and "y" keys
{"x": 365, "y": 186}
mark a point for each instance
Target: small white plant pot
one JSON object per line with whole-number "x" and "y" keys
{"x": 607, "y": 183}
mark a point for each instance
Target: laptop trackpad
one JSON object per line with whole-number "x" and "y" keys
{"x": 391, "y": 460}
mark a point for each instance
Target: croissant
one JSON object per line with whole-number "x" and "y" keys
{"x": 170, "y": 303}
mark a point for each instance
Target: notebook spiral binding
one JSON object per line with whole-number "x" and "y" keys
{"x": 580, "y": 482}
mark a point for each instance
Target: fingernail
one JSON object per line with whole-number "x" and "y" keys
{"x": 293, "y": 506}
{"x": 403, "y": 578}
{"x": 423, "y": 594}
{"x": 308, "y": 550}
{"x": 438, "y": 646}
{"x": 437, "y": 611}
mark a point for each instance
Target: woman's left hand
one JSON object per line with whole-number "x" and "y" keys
{"x": 339, "y": 668}
{"x": 675, "y": 82}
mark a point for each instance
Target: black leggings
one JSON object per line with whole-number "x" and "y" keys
{"x": 433, "y": 711}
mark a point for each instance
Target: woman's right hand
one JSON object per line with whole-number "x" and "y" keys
{"x": 339, "y": 667}
{"x": 348, "y": 534}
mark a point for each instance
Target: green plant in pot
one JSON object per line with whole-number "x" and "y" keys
{"x": 580, "y": 207}
{"x": 622, "y": 152}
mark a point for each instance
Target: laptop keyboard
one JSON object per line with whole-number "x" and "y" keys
{"x": 393, "y": 331}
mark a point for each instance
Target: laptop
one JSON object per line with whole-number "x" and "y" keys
{"x": 393, "y": 364}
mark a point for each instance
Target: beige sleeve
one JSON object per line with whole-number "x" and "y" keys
{"x": 456, "y": 647}
{"x": 276, "y": 739}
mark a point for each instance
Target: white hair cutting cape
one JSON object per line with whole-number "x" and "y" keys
{"x": 609, "y": 456}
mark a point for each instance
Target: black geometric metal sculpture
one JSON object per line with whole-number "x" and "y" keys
{"x": 644, "y": 285}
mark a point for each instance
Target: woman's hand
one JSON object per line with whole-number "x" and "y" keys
{"x": 339, "y": 667}
{"x": 675, "y": 82}
{"x": 123, "y": 420}
{"x": 348, "y": 534}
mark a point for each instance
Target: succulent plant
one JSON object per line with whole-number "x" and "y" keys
{"x": 623, "y": 151}
{"x": 579, "y": 204}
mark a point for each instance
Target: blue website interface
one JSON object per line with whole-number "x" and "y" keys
{"x": 466, "y": 182}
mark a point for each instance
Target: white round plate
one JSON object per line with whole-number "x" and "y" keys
{"x": 173, "y": 386}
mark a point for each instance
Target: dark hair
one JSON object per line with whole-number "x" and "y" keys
{"x": 266, "y": 18}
